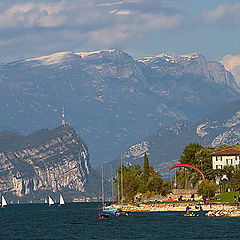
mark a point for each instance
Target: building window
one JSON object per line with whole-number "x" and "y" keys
{"x": 218, "y": 158}
{"x": 229, "y": 161}
{"x": 218, "y": 166}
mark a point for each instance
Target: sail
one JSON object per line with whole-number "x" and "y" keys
{"x": 50, "y": 201}
{"x": 45, "y": 200}
{"x": 61, "y": 200}
{"x": 4, "y": 202}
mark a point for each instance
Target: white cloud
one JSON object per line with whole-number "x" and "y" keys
{"x": 225, "y": 15}
{"x": 123, "y": 12}
{"x": 31, "y": 25}
{"x": 71, "y": 25}
{"x": 232, "y": 64}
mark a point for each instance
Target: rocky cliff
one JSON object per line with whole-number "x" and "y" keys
{"x": 45, "y": 160}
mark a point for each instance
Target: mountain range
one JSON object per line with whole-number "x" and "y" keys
{"x": 165, "y": 146}
{"x": 111, "y": 99}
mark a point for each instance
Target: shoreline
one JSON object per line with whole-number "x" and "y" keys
{"x": 177, "y": 207}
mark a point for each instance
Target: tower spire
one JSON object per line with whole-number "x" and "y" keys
{"x": 63, "y": 121}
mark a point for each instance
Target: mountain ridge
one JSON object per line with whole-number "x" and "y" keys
{"x": 165, "y": 146}
{"x": 110, "y": 98}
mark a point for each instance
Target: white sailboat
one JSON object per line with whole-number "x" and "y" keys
{"x": 45, "y": 200}
{"x": 61, "y": 200}
{"x": 50, "y": 201}
{"x": 4, "y": 202}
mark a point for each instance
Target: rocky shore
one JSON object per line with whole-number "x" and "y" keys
{"x": 224, "y": 213}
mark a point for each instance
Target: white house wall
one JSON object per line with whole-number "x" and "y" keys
{"x": 219, "y": 162}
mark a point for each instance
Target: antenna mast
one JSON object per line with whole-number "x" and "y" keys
{"x": 63, "y": 121}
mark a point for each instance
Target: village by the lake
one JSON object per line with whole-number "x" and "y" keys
{"x": 207, "y": 179}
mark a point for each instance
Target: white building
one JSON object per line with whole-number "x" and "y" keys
{"x": 230, "y": 156}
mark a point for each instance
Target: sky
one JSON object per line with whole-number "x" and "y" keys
{"x": 139, "y": 27}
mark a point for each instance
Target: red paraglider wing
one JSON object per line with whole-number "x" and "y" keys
{"x": 187, "y": 165}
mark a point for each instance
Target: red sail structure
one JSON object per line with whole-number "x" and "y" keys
{"x": 188, "y": 166}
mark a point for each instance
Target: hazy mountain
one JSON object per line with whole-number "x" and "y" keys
{"x": 111, "y": 99}
{"x": 165, "y": 146}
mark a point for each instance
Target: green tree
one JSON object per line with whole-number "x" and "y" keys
{"x": 166, "y": 187}
{"x": 146, "y": 168}
{"x": 229, "y": 171}
{"x": 204, "y": 162}
{"x": 207, "y": 188}
{"x": 189, "y": 152}
{"x": 236, "y": 179}
{"x": 137, "y": 180}
{"x": 155, "y": 183}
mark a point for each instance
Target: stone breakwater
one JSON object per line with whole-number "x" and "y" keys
{"x": 224, "y": 213}
{"x": 177, "y": 207}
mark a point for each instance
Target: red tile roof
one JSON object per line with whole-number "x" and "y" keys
{"x": 227, "y": 152}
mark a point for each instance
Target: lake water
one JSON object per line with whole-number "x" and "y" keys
{"x": 80, "y": 221}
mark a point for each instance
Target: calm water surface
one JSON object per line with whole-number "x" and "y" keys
{"x": 80, "y": 221}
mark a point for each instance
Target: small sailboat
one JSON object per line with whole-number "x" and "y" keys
{"x": 50, "y": 201}
{"x": 45, "y": 200}
{"x": 61, "y": 200}
{"x": 121, "y": 212}
{"x": 4, "y": 202}
{"x": 110, "y": 209}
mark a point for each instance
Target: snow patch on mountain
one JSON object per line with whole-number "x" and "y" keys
{"x": 170, "y": 58}
{"x": 86, "y": 54}
{"x": 55, "y": 58}
{"x": 60, "y": 57}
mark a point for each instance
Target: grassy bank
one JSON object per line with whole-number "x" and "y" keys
{"x": 227, "y": 196}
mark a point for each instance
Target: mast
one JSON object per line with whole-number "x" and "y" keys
{"x": 102, "y": 190}
{"x": 121, "y": 180}
{"x": 112, "y": 185}
{"x": 118, "y": 182}
{"x": 175, "y": 183}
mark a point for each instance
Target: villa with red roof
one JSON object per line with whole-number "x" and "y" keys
{"x": 230, "y": 156}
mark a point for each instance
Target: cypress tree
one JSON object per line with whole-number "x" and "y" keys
{"x": 146, "y": 168}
